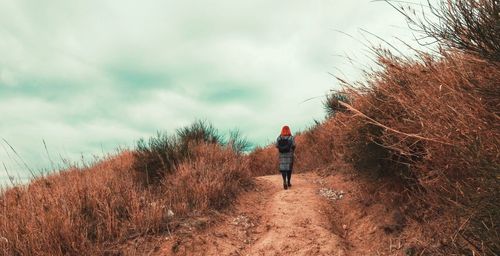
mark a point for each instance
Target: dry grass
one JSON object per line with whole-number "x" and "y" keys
{"x": 468, "y": 25}
{"x": 93, "y": 210}
{"x": 316, "y": 148}
{"x": 427, "y": 129}
{"x": 264, "y": 161}
{"x": 210, "y": 182}
{"x": 431, "y": 125}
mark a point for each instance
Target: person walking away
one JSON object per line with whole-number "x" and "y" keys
{"x": 286, "y": 147}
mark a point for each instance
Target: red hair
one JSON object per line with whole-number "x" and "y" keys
{"x": 285, "y": 131}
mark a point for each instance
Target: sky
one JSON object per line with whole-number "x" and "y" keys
{"x": 88, "y": 77}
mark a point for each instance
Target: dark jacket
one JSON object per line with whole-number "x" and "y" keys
{"x": 286, "y": 159}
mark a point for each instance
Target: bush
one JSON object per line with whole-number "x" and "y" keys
{"x": 199, "y": 132}
{"x": 332, "y": 103}
{"x": 428, "y": 124}
{"x": 315, "y": 149}
{"x": 469, "y": 25}
{"x": 162, "y": 154}
{"x": 158, "y": 156}
{"x": 264, "y": 161}
{"x": 238, "y": 143}
{"x": 210, "y": 181}
{"x": 428, "y": 128}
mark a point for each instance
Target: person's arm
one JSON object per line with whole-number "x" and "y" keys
{"x": 293, "y": 143}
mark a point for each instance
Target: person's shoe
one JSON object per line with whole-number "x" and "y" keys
{"x": 285, "y": 186}
{"x": 289, "y": 185}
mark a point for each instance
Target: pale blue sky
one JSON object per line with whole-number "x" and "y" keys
{"x": 89, "y": 76}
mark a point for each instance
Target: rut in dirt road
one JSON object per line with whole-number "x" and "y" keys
{"x": 269, "y": 221}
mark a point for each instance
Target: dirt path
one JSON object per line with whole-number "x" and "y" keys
{"x": 268, "y": 221}
{"x": 295, "y": 223}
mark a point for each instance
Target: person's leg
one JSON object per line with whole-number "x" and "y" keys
{"x": 285, "y": 185}
{"x": 289, "y": 178}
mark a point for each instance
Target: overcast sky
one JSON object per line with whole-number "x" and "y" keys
{"x": 90, "y": 76}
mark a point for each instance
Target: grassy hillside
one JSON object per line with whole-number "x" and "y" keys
{"x": 421, "y": 135}
{"x": 424, "y": 131}
{"x": 134, "y": 194}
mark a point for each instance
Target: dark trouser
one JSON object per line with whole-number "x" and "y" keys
{"x": 287, "y": 176}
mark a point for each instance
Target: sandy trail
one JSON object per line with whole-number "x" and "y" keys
{"x": 295, "y": 223}
{"x": 268, "y": 221}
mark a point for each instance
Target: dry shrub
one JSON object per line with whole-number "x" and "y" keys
{"x": 429, "y": 128}
{"x": 264, "y": 161}
{"x": 469, "y": 25}
{"x": 332, "y": 103}
{"x": 75, "y": 211}
{"x": 210, "y": 182}
{"x": 315, "y": 147}
{"x": 430, "y": 124}
{"x": 94, "y": 210}
{"x": 163, "y": 153}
